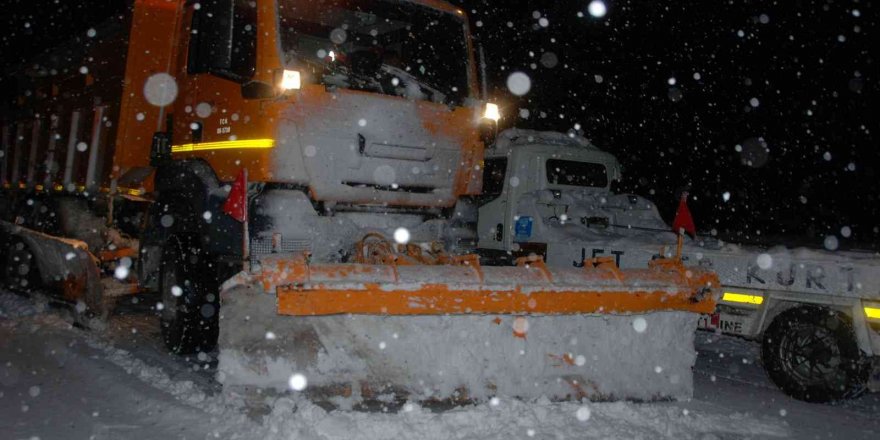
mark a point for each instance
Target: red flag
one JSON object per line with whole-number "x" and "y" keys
{"x": 683, "y": 219}
{"x": 236, "y": 203}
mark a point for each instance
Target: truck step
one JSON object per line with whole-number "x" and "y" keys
{"x": 107, "y": 255}
{"x": 114, "y": 288}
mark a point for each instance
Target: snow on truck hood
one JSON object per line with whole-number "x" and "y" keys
{"x": 347, "y": 145}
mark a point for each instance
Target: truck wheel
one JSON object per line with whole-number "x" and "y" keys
{"x": 189, "y": 316}
{"x": 20, "y": 271}
{"x": 812, "y": 355}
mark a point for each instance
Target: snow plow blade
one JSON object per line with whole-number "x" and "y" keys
{"x": 462, "y": 331}
{"x": 57, "y": 264}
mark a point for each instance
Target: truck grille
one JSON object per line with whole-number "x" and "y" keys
{"x": 262, "y": 246}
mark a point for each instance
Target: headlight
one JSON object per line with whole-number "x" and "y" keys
{"x": 492, "y": 112}
{"x": 290, "y": 80}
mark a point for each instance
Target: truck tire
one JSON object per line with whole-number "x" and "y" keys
{"x": 189, "y": 316}
{"x": 812, "y": 355}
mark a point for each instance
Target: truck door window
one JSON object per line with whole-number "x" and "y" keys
{"x": 574, "y": 173}
{"x": 493, "y": 179}
{"x": 241, "y": 64}
{"x": 244, "y": 38}
{"x": 493, "y": 176}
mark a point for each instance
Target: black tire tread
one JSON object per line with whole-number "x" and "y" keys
{"x": 190, "y": 332}
{"x": 841, "y": 328}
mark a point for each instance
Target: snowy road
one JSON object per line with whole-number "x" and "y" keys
{"x": 729, "y": 378}
{"x": 62, "y": 382}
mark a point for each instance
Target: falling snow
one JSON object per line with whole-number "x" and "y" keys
{"x": 640, "y": 324}
{"x": 401, "y": 235}
{"x": 761, "y": 112}
{"x": 297, "y": 382}
{"x": 519, "y": 83}
{"x": 597, "y": 8}
{"x": 160, "y": 89}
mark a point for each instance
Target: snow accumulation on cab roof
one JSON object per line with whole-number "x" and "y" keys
{"x": 514, "y": 137}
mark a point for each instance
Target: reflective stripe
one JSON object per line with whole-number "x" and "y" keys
{"x": 225, "y": 145}
{"x": 742, "y": 298}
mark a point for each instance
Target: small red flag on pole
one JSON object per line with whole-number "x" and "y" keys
{"x": 683, "y": 219}
{"x": 683, "y": 222}
{"x": 237, "y": 207}
{"x": 236, "y": 202}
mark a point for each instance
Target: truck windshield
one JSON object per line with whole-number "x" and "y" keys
{"x": 394, "y": 48}
{"x": 569, "y": 172}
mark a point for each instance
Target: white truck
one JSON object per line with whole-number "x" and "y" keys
{"x": 816, "y": 313}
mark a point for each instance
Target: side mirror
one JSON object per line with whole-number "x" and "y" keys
{"x": 488, "y": 132}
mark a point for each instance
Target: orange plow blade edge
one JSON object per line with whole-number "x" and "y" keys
{"x": 460, "y": 330}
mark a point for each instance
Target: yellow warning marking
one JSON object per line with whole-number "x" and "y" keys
{"x": 742, "y": 298}
{"x": 225, "y": 145}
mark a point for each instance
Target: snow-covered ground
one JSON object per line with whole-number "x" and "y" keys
{"x": 57, "y": 381}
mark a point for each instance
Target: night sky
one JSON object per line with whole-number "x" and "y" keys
{"x": 772, "y": 103}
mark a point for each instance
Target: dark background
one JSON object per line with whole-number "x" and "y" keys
{"x": 803, "y": 163}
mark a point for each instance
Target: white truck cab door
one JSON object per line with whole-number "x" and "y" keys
{"x": 493, "y": 205}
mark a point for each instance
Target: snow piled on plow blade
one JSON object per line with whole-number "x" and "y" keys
{"x": 598, "y": 356}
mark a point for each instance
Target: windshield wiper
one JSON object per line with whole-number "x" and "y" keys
{"x": 439, "y": 96}
{"x": 343, "y": 76}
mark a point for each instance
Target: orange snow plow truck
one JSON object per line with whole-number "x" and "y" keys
{"x": 358, "y": 125}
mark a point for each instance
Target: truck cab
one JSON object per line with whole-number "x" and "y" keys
{"x": 815, "y": 312}
{"x": 350, "y": 117}
{"x": 543, "y": 191}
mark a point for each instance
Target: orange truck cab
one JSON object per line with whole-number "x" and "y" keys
{"x": 350, "y": 117}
